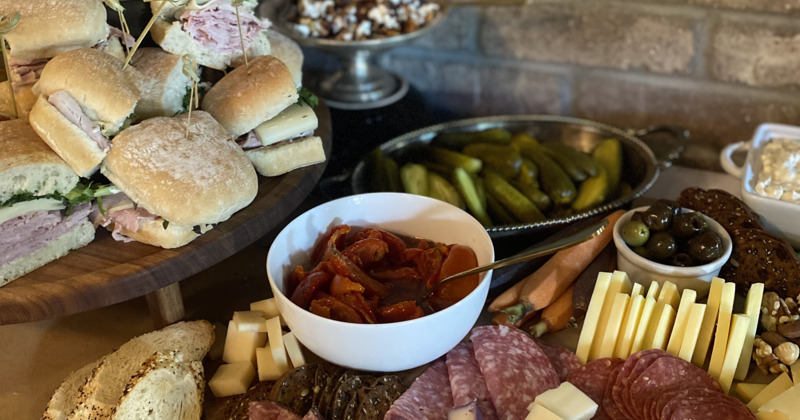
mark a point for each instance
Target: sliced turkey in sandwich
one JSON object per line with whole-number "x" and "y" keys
{"x": 48, "y": 28}
{"x": 261, "y": 109}
{"x": 85, "y": 98}
{"x": 43, "y": 215}
{"x": 176, "y": 187}
{"x": 207, "y": 31}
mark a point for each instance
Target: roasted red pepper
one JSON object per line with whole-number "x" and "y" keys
{"x": 357, "y": 302}
{"x": 342, "y": 266}
{"x": 295, "y": 277}
{"x": 337, "y": 235}
{"x": 396, "y": 274}
{"x": 341, "y": 285}
{"x": 332, "y": 308}
{"x": 401, "y": 311}
{"x": 366, "y": 251}
{"x": 314, "y": 281}
{"x": 429, "y": 262}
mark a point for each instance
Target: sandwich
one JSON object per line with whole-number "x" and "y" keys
{"x": 84, "y": 99}
{"x": 48, "y": 28}
{"x": 43, "y": 209}
{"x": 175, "y": 186}
{"x": 207, "y": 31}
{"x": 285, "y": 49}
{"x": 261, "y": 109}
{"x": 165, "y": 89}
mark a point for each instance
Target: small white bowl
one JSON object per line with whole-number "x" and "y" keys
{"x": 380, "y": 347}
{"x": 779, "y": 217}
{"x": 642, "y": 270}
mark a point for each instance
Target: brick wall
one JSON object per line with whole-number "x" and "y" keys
{"x": 716, "y": 67}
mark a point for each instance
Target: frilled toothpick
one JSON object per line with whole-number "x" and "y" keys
{"x": 236, "y": 4}
{"x": 190, "y": 70}
{"x": 117, "y": 7}
{"x": 7, "y": 24}
{"x": 146, "y": 30}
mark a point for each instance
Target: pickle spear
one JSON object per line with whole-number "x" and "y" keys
{"x": 415, "y": 178}
{"x": 504, "y": 159}
{"x": 465, "y": 185}
{"x": 457, "y": 159}
{"x": 592, "y": 192}
{"x": 554, "y": 181}
{"x": 459, "y": 140}
{"x": 513, "y": 200}
{"x": 609, "y": 154}
{"x": 441, "y": 189}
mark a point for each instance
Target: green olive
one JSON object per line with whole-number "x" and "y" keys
{"x": 705, "y": 247}
{"x": 635, "y": 233}
{"x": 661, "y": 246}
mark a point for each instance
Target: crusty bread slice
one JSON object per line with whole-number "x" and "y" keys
{"x": 166, "y": 387}
{"x": 23, "y": 96}
{"x": 285, "y": 156}
{"x": 63, "y": 400}
{"x": 165, "y": 85}
{"x": 78, "y": 237}
{"x": 106, "y": 385}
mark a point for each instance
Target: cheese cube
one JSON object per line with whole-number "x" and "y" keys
{"x": 723, "y": 328}
{"x": 709, "y": 322}
{"x": 747, "y": 390}
{"x": 619, "y": 283}
{"x": 787, "y": 403}
{"x": 537, "y": 412}
{"x": 240, "y": 346}
{"x": 679, "y": 327}
{"x": 270, "y": 368}
{"x": 249, "y": 321}
{"x": 652, "y": 291}
{"x": 589, "y": 328}
{"x": 693, "y": 325}
{"x": 268, "y": 307}
{"x": 669, "y": 294}
{"x": 275, "y": 339}
{"x": 795, "y": 372}
{"x": 738, "y": 331}
{"x": 752, "y": 308}
{"x": 294, "y": 350}
{"x": 629, "y": 324}
{"x": 644, "y": 323}
{"x": 232, "y": 379}
{"x": 636, "y": 289}
{"x": 775, "y": 388}
{"x": 567, "y": 402}
{"x": 613, "y": 325}
{"x": 771, "y": 415}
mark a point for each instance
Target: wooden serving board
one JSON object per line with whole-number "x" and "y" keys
{"x": 106, "y": 272}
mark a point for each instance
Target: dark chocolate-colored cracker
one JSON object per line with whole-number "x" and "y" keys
{"x": 376, "y": 400}
{"x": 759, "y": 256}
{"x": 344, "y": 394}
{"x": 335, "y": 375}
{"x": 722, "y": 206}
{"x": 296, "y": 389}
{"x": 235, "y": 407}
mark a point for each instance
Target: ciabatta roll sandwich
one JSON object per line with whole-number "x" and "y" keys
{"x": 261, "y": 109}
{"x": 43, "y": 213}
{"x": 85, "y": 98}
{"x": 175, "y": 186}
{"x": 165, "y": 89}
{"x": 207, "y": 31}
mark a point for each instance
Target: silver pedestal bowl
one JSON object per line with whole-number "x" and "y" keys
{"x": 359, "y": 84}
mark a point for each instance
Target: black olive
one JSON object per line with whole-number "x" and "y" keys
{"x": 682, "y": 259}
{"x": 672, "y": 205}
{"x": 686, "y": 225}
{"x": 661, "y": 246}
{"x": 637, "y": 216}
{"x": 641, "y": 251}
{"x": 706, "y": 247}
{"x": 657, "y": 218}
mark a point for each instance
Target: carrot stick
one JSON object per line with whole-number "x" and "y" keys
{"x": 545, "y": 285}
{"x": 557, "y": 315}
{"x": 509, "y": 297}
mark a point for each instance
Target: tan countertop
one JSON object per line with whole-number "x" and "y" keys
{"x": 36, "y": 357}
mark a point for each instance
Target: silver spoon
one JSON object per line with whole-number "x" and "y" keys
{"x": 539, "y": 251}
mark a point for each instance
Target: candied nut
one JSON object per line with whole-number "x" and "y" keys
{"x": 772, "y": 338}
{"x": 787, "y": 352}
{"x": 789, "y": 329}
{"x": 784, "y": 319}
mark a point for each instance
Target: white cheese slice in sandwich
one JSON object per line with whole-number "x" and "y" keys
{"x": 18, "y": 209}
{"x": 294, "y": 120}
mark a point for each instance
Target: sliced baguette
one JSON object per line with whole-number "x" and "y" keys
{"x": 106, "y": 385}
{"x": 63, "y": 400}
{"x": 166, "y": 387}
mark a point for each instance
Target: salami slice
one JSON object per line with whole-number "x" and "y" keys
{"x": 593, "y": 379}
{"x": 313, "y": 414}
{"x": 611, "y": 408}
{"x": 563, "y": 360}
{"x": 268, "y": 410}
{"x": 514, "y": 367}
{"x": 712, "y": 411}
{"x": 428, "y": 398}
{"x": 634, "y": 365}
{"x": 698, "y": 398}
{"x": 666, "y": 374}
{"x": 466, "y": 380}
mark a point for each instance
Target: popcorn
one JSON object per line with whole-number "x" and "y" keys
{"x": 362, "y": 19}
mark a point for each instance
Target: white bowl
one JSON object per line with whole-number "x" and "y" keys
{"x": 779, "y": 217}
{"x": 642, "y": 270}
{"x": 380, "y": 347}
